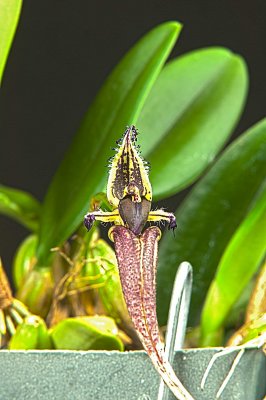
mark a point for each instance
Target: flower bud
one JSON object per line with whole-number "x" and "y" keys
{"x": 37, "y": 291}
{"x": 104, "y": 269}
{"x": 24, "y": 260}
{"x": 31, "y": 334}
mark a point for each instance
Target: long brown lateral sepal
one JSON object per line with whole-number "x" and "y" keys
{"x": 137, "y": 261}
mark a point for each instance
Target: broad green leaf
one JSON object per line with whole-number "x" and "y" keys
{"x": 21, "y": 206}
{"x": 83, "y": 172}
{"x": 189, "y": 114}
{"x": 86, "y": 333}
{"x": 9, "y": 16}
{"x": 210, "y": 215}
{"x": 238, "y": 264}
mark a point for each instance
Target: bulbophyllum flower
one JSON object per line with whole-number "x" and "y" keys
{"x": 129, "y": 192}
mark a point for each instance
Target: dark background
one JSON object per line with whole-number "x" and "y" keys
{"x": 64, "y": 49}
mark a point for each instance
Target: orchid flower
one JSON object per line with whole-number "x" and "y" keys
{"x": 130, "y": 193}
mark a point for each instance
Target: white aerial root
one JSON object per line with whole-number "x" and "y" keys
{"x": 252, "y": 344}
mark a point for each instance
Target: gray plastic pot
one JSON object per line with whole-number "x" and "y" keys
{"x": 98, "y": 375}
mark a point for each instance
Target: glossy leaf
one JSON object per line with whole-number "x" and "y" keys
{"x": 86, "y": 333}
{"x": 238, "y": 264}
{"x": 189, "y": 114}
{"x": 210, "y": 215}
{"x": 83, "y": 172}
{"x": 21, "y": 206}
{"x": 9, "y": 16}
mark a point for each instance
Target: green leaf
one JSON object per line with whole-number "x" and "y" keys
{"x": 86, "y": 333}
{"x": 9, "y": 16}
{"x": 210, "y": 215}
{"x": 240, "y": 261}
{"x": 189, "y": 114}
{"x": 21, "y": 206}
{"x": 82, "y": 173}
